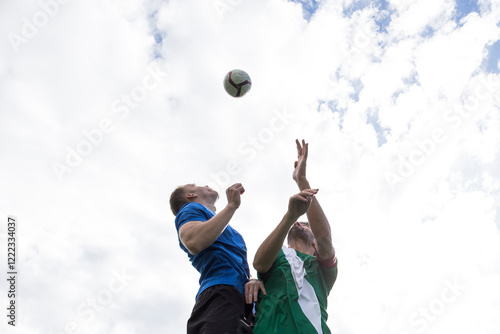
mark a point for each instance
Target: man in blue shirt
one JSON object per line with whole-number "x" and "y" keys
{"x": 219, "y": 254}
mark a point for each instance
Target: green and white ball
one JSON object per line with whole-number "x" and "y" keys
{"x": 237, "y": 83}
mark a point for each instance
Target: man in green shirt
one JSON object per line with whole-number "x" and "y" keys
{"x": 298, "y": 278}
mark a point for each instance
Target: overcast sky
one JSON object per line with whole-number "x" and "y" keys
{"x": 107, "y": 106}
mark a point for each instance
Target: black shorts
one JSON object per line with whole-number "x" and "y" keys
{"x": 220, "y": 309}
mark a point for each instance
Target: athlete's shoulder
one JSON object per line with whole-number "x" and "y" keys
{"x": 191, "y": 212}
{"x": 194, "y": 207}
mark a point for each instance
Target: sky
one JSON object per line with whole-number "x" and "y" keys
{"x": 107, "y": 106}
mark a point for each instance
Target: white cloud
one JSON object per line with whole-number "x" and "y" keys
{"x": 412, "y": 17}
{"x": 399, "y": 240}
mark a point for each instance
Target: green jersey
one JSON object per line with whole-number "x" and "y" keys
{"x": 297, "y": 288}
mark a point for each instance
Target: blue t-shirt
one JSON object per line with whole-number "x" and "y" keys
{"x": 224, "y": 261}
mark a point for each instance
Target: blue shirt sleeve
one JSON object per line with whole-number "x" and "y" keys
{"x": 190, "y": 212}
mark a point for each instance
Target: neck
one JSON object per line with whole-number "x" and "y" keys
{"x": 209, "y": 205}
{"x": 302, "y": 247}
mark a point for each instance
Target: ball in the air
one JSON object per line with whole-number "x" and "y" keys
{"x": 237, "y": 83}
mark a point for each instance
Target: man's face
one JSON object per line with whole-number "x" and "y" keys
{"x": 203, "y": 192}
{"x": 301, "y": 230}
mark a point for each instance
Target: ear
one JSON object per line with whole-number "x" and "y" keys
{"x": 191, "y": 196}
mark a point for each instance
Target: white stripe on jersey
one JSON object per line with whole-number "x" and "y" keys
{"x": 307, "y": 297}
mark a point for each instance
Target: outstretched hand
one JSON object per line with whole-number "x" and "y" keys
{"x": 300, "y": 203}
{"x": 299, "y": 173}
{"x": 252, "y": 290}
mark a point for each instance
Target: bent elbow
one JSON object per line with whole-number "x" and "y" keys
{"x": 193, "y": 247}
{"x": 260, "y": 267}
{"x": 192, "y": 251}
{"x": 325, "y": 248}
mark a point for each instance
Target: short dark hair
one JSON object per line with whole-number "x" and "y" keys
{"x": 178, "y": 199}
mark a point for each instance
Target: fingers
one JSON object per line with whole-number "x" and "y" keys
{"x": 302, "y": 149}
{"x": 263, "y": 288}
{"x": 256, "y": 293}
{"x": 248, "y": 293}
{"x": 252, "y": 290}
{"x": 237, "y": 187}
{"x": 233, "y": 194}
{"x": 307, "y": 194}
{"x": 303, "y": 198}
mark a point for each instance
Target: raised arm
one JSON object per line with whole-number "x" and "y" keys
{"x": 315, "y": 215}
{"x": 270, "y": 247}
{"x": 198, "y": 235}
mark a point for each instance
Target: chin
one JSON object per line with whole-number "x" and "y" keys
{"x": 302, "y": 234}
